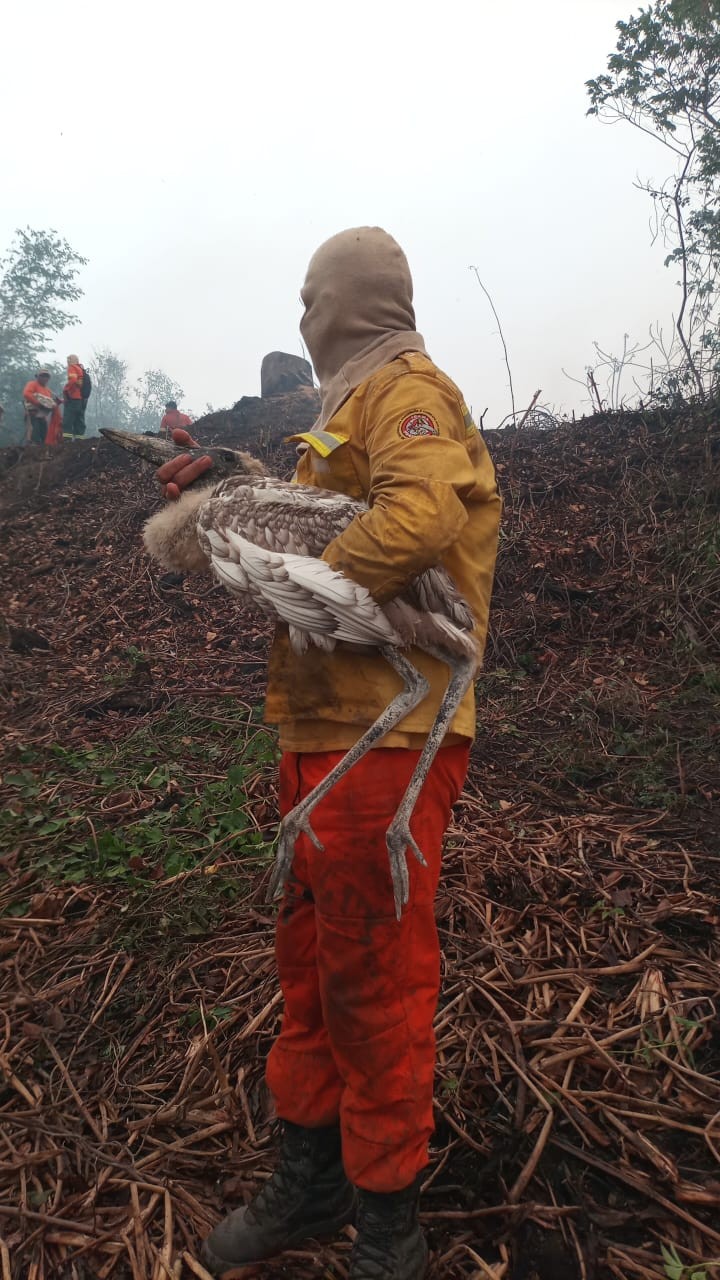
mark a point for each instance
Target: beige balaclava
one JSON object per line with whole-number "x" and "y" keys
{"x": 358, "y": 311}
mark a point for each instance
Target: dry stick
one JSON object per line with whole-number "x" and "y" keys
{"x": 607, "y": 970}
{"x": 102, "y": 1006}
{"x": 161, "y": 1267}
{"x": 529, "y": 409}
{"x": 666, "y": 1168}
{"x": 522, "y": 1211}
{"x": 193, "y": 1266}
{"x": 578, "y": 1250}
{"x": 16, "y": 1083}
{"x": 707, "y": 1134}
{"x": 485, "y": 1270}
{"x": 594, "y": 388}
{"x": 49, "y": 1219}
{"x": 107, "y": 1269}
{"x": 521, "y": 1099}
{"x": 638, "y": 1184}
{"x": 526, "y": 1175}
{"x": 80, "y": 1104}
{"x": 502, "y": 338}
{"x": 134, "y": 1264}
{"x": 5, "y": 1260}
{"x": 168, "y": 1233}
{"x": 179, "y": 1143}
{"x": 565, "y": 1055}
{"x": 136, "y": 1223}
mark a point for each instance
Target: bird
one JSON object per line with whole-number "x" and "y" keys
{"x": 263, "y": 539}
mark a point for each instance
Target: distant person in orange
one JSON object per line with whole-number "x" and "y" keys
{"x": 39, "y": 402}
{"x": 75, "y": 399}
{"x": 173, "y": 419}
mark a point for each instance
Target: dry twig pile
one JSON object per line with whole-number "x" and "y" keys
{"x": 578, "y": 1092}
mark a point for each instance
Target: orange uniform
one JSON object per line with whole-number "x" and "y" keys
{"x": 360, "y": 988}
{"x": 73, "y": 387}
{"x": 34, "y": 389}
{"x": 174, "y": 419}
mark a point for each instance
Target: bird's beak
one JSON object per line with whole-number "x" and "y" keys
{"x": 148, "y": 448}
{"x": 154, "y": 451}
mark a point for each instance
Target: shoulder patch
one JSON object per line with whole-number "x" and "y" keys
{"x": 418, "y": 423}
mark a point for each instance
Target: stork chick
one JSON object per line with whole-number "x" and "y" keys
{"x": 263, "y": 539}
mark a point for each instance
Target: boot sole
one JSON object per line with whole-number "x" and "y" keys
{"x": 319, "y": 1231}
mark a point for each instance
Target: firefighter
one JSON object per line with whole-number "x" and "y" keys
{"x": 39, "y": 402}
{"x": 173, "y": 419}
{"x": 351, "y": 1072}
{"x": 74, "y": 399}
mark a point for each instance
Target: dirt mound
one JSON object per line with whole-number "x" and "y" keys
{"x": 256, "y": 423}
{"x": 578, "y": 1053}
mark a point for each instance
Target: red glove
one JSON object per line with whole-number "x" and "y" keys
{"x": 178, "y": 473}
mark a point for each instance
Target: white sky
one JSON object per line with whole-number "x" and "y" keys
{"x": 198, "y": 154}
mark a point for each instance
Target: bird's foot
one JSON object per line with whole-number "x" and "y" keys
{"x": 398, "y": 840}
{"x": 292, "y": 825}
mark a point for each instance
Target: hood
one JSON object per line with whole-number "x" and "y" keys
{"x": 358, "y": 311}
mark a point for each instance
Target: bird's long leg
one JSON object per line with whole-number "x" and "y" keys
{"x": 399, "y": 838}
{"x": 415, "y": 689}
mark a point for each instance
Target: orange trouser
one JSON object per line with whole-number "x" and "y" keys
{"x": 360, "y": 988}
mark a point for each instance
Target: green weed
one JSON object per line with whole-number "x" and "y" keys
{"x": 675, "y": 1269}
{"x": 176, "y": 793}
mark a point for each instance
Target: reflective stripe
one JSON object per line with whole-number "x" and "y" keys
{"x": 470, "y": 427}
{"x": 323, "y": 442}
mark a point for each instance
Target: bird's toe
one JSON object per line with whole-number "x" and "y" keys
{"x": 399, "y": 838}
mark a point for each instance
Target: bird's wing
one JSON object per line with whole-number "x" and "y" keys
{"x": 279, "y": 516}
{"x": 302, "y": 591}
{"x": 435, "y": 592}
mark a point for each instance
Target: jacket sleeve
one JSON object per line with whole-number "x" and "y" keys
{"x": 418, "y": 486}
{"x": 30, "y": 393}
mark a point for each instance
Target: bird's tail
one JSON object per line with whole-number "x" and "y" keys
{"x": 434, "y": 631}
{"x": 431, "y": 631}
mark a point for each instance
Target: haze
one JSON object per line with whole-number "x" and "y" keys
{"x": 197, "y": 155}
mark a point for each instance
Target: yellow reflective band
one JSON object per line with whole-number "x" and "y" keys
{"x": 470, "y": 427}
{"x": 323, "y": 442}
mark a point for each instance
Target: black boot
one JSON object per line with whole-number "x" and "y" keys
{"x": 390, "y": 1244}
{"x": 307, "y": 1196}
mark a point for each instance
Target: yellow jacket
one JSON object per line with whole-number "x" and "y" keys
{"x": 405, "y": 443}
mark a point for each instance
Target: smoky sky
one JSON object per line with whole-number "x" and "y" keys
{"x": 197, "y": 155}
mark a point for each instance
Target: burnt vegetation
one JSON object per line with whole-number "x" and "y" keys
{"x": 578, "y": 1086}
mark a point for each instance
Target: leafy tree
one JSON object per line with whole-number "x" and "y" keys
{"x": 664, "y": 78}
{"x": 152, "y": 393}
{"x": 116, "y": 403}
{"x": 38, "y": 278}
{"x": 109, "y": 405}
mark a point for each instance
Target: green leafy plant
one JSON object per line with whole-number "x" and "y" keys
{"x": 154, "y": 806}
{"x": 675, "y": 1268}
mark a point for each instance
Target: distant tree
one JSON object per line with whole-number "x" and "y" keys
{"x": 38, "y": 277}
{"x": 116, "y": 403}
{"x": 109, "y": 405}
{"x": 664, "y": 78}
{"x": 152, "y": 392}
